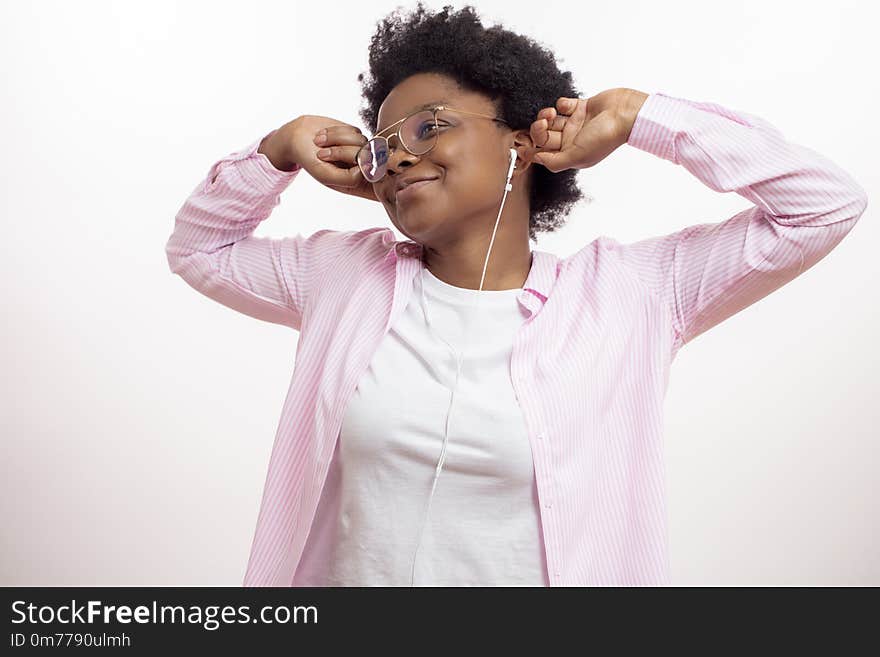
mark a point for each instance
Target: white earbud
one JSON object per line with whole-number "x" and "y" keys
{"x": 512, "y": 163}
{"x": 509, "y": 186}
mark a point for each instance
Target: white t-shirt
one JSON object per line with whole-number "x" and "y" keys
{"x": 483, "y": 527}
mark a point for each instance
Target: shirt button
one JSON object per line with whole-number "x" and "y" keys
{"x": 548, "y": 505}
{"x": 540, "y": 436}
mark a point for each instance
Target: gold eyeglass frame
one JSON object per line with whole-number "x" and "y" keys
{"x": 399, "y": 124}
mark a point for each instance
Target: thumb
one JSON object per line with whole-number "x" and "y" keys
{"x": 554, "y": 162}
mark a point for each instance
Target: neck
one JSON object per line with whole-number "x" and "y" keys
{"x": 508, "y": 267}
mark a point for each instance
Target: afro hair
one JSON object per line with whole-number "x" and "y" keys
{"x": 517, "y": 74}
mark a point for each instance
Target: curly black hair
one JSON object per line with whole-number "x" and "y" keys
{"x": 515, "y": 72}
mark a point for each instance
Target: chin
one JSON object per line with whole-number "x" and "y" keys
{"x": 404, "y": 228}
{"x": 417, "y": 227}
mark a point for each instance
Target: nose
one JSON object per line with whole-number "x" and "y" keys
{"x": 398, "y": 157}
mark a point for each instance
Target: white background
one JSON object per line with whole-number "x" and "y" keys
{"x": 138, "y": 416}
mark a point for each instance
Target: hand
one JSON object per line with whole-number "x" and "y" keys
{"x": 579, "y": 133}
{"x": 295, "y": 142}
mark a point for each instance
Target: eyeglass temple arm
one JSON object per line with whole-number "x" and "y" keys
{"x": 446, "y": 107}
{"x": 435, "y": 110}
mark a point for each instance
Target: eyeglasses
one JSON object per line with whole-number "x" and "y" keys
{"x": 418, "y": 134}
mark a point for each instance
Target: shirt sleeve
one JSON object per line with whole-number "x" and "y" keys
{"x": 803, "y": 206}
{"x": 212, "y": 246}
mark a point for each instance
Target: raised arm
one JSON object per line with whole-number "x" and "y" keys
{"x": 804, "y": 205}
{"x": 213, "y": 249}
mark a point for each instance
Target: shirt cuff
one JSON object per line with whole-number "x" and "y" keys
{"x": 654, "y": 129}
{"x": 259, "y": 171}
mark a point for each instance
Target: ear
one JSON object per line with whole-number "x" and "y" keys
{"x": 526, "y": 151}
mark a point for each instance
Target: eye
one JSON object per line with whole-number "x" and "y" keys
{"x": 427, "y": 127}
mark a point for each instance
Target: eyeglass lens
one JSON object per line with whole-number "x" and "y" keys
{"x": 418, "y": 134}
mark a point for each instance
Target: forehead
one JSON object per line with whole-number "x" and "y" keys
{"x": 423, "y": 90}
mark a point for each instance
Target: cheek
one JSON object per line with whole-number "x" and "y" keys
{"x": 472, "y": 160}
{"x": 472, "y": 176}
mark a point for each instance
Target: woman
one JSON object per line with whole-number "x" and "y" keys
{"x": 544, "y": 402}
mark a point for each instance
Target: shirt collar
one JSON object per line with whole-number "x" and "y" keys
{"x": 538, "y": 284}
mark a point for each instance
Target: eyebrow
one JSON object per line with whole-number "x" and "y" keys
{"x": 430, "y": 105}
{"x": 425, "y": 106}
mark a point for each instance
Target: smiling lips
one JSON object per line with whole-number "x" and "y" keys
{"x": 410, "y": 189}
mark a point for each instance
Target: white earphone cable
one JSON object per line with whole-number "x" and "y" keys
{"x": 459, "y": 358}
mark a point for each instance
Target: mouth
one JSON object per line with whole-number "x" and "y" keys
{"x": 412, "y": 189}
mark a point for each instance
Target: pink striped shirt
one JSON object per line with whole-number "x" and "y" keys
{"x": 590, "y": 364}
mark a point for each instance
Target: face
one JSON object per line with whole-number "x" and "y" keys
{"x": 469, "y": 160}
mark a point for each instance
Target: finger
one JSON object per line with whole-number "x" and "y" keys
{"x": 556, "y": 161}
{"x": 554, "y": 121}
{"x": 573, "y": 108}
{"x": 566, "y": 105}
{"x": 552, "y": 117}
{"x": 341, "y": 129}
{"x": 546, "y": 134}
{"x": 339, "y": 135}
{"x": 539, "y": 132}
{"x": 579, "y": 114}
{"x": 558, "y": 124}
{"x": 530, "y": 154}
{"x": 342, "y": 154}
{"x": 341, "y": 177}
{"x": 553, "y": 141}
